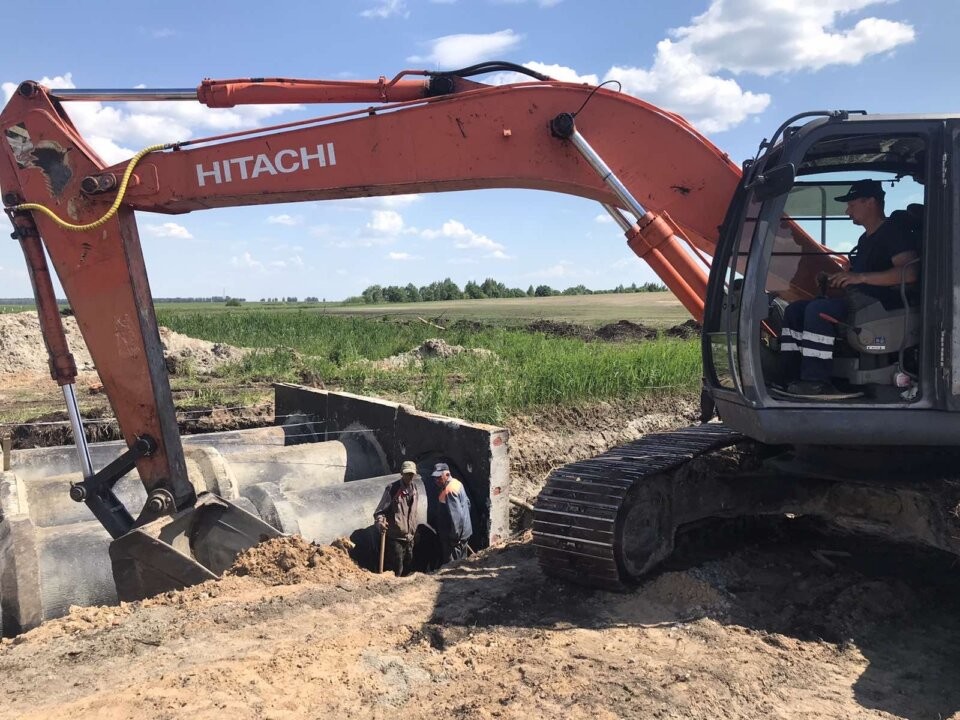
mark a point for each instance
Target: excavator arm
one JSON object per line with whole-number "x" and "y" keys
{"x": 439, "y": 133}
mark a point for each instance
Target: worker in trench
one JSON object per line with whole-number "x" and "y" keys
{"x": 453, "y": 514}
{"x": 402, "y": 509}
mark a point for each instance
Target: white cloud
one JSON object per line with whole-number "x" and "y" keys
{"x": 603, "y": 218}
{"x": 246, "y": 261}
{"x": 735, "y": 36}
{"x": 387, "y": 8}
{"x": 400, "y": 256}
{"x": 168, "y": 230}
{"x": 386, "y": 221}
{"x": 463, "y": 237}
{"x": 455, "y": 51}
{"x": 500, "y": 255}
{"x": 284, "y": 219}
{"x": 163, "y": 33}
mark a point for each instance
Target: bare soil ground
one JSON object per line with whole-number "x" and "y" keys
{"x": 784, "y": 623}
{"x": 767, "y": 632}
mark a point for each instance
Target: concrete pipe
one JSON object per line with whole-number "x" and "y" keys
{"x": 53, "y": 554}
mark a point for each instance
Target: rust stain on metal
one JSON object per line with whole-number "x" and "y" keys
{"x": 681, "y": 189}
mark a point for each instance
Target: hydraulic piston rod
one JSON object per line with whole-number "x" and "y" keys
{"x": 652, "y": 238}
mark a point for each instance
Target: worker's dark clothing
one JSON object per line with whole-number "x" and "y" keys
{"x": 806, "y": 339}
{"x": 399, "y": 556}
{"x": 875, "y": 254}
{"x": 404, "y": 509}
{"x": 455, "y": 527}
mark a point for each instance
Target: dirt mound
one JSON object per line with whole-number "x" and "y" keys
{"x": 686, "y": 331}
{"x": 432, "y": 348}
{"x": 292, "y": 560}
{"x": 620, "y": 331}
{"x": 185, "y": 354}
{"x": 626, "y": 330}
{"x": 22, "y": 349}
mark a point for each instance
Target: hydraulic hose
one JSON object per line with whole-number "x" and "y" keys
{"x": 121, "y": 191}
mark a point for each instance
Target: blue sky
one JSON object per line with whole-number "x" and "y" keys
{"x": 734, "y": 68}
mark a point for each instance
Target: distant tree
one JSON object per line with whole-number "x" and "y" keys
{"x": 493, "y": 289}
{"x": 544, "y": 291}
{"x": 373, "y": 294}
{"x": 449, "y": 290}
{"x": 411, "y": 293}
{"x": 577, "y": 290}
{"x": 234, "y": 302}
{"x": 472, "y": 291}
{"x": 393, "y": 294}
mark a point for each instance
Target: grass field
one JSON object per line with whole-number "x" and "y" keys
{"x": 339, "y": 346}
{"x": 522, "y": 370}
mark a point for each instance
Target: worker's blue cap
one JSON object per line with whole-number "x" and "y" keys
{"x": 440, "y": 468}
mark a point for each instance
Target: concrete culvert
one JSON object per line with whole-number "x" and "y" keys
{"x": 53, "y": 554}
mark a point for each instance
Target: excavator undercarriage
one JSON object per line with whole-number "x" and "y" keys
{"x": 608, "y": 521}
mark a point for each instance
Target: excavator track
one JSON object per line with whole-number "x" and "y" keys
{"x": 595, "y": 519}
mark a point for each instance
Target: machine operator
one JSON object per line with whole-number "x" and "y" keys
{"x": 878, "y": 263}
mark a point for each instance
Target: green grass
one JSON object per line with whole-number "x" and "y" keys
{"x": 525, "y": 370}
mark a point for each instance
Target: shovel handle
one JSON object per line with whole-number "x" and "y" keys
{"x": 383, "y": 548}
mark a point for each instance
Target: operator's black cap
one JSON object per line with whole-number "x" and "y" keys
{"x": 863, "y": 189}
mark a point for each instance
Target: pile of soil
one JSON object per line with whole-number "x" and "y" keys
{"x": 626, "y": 330}
{"x": 22, "y": 351}
{"x": 292, "y": 560}
{"x": 428, "y": 349}
{"x": 620, "y": 331}
{"x": 686, "y": 331}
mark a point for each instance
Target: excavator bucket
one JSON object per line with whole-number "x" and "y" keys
{"x": 183, "y": 549}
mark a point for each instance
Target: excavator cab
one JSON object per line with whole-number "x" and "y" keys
{"x": 784, "y": 233}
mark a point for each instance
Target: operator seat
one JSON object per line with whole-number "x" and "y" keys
{"x": 876, "y": 334}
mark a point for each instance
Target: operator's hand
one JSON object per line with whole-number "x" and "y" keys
{"x": 382, "y": 523}
{"x": 845, "y": 278}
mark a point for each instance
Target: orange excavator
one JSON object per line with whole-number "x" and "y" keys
{"x": 733, "y": 244}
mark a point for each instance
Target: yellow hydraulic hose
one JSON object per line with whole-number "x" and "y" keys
{"x": 121, "y": 191}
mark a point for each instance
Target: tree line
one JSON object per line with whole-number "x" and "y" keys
{"x": 448, "y": 290}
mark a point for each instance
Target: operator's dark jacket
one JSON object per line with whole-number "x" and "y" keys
{"x": 404, "y": 511}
